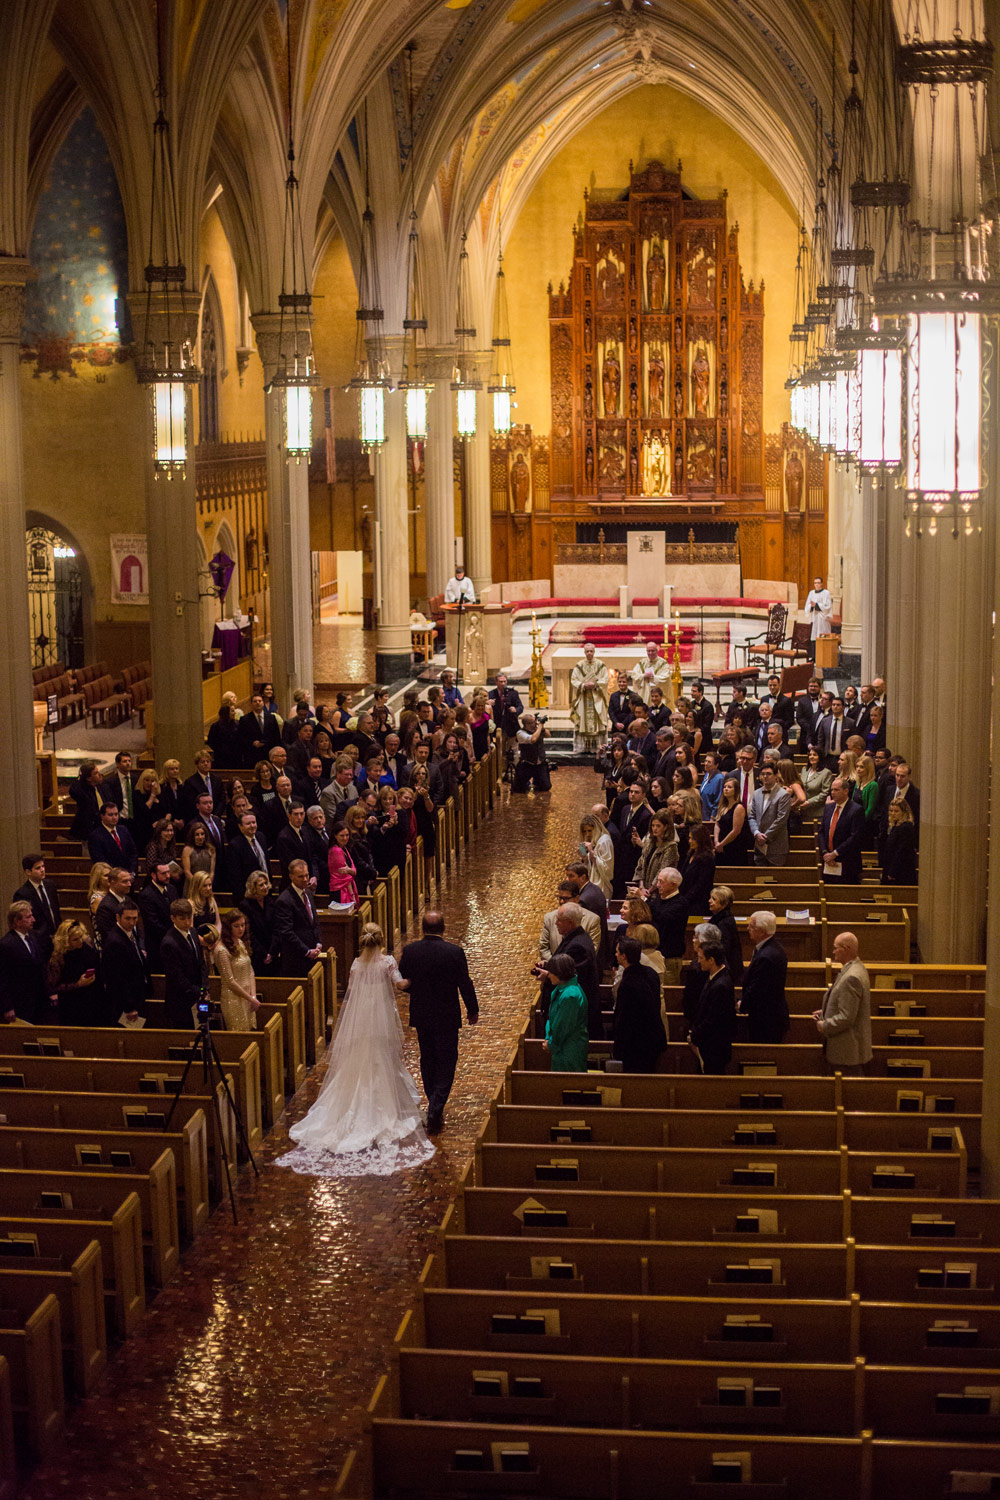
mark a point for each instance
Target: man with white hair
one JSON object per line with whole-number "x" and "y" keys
{"x": 588, "y": 700}
{"x": 649, "y": 669}
{"x": 550, "y": 937}
{"x": 844, "y": 1020}
{"x": 669, "y": 912}
{"x": 574, "y": 941}
{"x": 763, "y": 1002}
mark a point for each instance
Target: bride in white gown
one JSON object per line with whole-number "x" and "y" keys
{"x": 366, "y": 1118}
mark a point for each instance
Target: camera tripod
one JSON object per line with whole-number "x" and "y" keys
{"x": 203, "y": 1048}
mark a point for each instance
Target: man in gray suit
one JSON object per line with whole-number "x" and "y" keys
{"x": 768, "y": 815}
{"x": 845, "y": 1019}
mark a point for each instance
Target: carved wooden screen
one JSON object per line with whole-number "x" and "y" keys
{"x": 656, "y": 352}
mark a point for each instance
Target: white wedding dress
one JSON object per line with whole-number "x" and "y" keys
{"x": 366, "y": 1118}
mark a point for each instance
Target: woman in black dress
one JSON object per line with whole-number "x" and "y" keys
{"x": 425, "y": 812}
{"x": 732, "y": 830}
{"x": 73, "y": 976}
{"x": 714, "y": 1025}
{"x": 720, "y": 904}
{"x": 388, "y": 837}
{"x": 257, "y": 906}
{"x": 360, "y": 850}
{"x": 899, "y": 863}
{"x": 698, "y": 869}
{"x": 639, "y": 1037}
{"x": 479, "y": 724}
{"x": 613, "y": 764}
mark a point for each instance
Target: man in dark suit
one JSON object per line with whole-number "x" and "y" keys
{"x": 258, "y": 731}
{"x": 119, "y": 890}
{"x": 713, "y": 1026}
{"x": 575, "y": 941}
{"x": 43, "y": 898}
{"x": 704, "y": 714}
{"x": 214, "y": 828}
{"x": 840, "y": 834}
{"x": 124, "y": 967}
{"x": 292, "y": 725}
{"x": 633, "y": 821}
{"x": 763, "y": 1002}
{"x": 111, "y": 841}
{"x": 437, "y": 973}
{"x": 742, "y": 708}
{"x": 641, "y": 740}
{"x": 665, "y": 759}
{"x": 182, "y": 955}
{"x": 782, "y": 706}
{"x": 291, "y": 841}
{"x": 300, "y": 752}
{"x": 245, "y": 853}
{"x": 809, "y": 712}
{"x": 24, "y": 991}
{"x": 760, "y": 732}
{"x": 117, "y": 786}
{"x": 275, "y": 814}
{"x": 776, "y": 741}
{"x": 318, "y": 848}
{"x": 833, "y": 734}
{"x": 863, "y": 716}
{"x": 154, "y": 902}
{"x": 395, "y": 761}
{"x": 309, "y": 787}
{"x": 296, "y": 928}
{"x": 87, "y": 791}
{"x": 592, "y": 898}
{"x": 506, "y": 708}
{"x": 202, "y": 780}
{"x": 669, "y": 912}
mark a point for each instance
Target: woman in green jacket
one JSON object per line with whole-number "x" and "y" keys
{"x": 566, "y": 1024}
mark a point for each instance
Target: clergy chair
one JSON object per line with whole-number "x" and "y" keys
{"x": 798, "y": 647}
{"x": 760, "y": 649}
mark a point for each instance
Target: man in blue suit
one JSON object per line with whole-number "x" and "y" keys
{"x": 840, "y": 833}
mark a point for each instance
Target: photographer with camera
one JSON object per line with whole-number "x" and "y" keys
{"x": 532, "y": 768}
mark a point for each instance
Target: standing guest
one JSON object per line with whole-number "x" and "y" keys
{"x": 819, "y": 610}
{"x": 866, "y": 796}
{"x": 43, "y": 898}
{"x": 291, "y": 841}
{"x": 300, "y": 718}
{"x": 224, "y": 738}
{"x": 300, "y": 751}
{"x": 97, "y": 886}
{"x": 381, "y": 711}
{"x": 768, "y": 819}
{"x": 693, "y": 976}
{"x": 905, "y": 791}
{"x": 154, "y": 901}
{"x": 532, "y": 768}
{"x": 25, "y": 993}
{"x": 213, "y": 825}
{"x": 424, "y": 812}
{"x": 263, "y": 793}
{"x": 203, "y": 780}
{"x": 231, "y": 958}
{"x": 270, "y": 701}
{"x": 202, "y": 898}
{"x": 844, "y": 1020}
{"x": 620, "y": 713}
{"x": 598, "y": 850}
{"x": 639, "y": 1037}
{"x": 296, "y": 927}
{"x": 438, "y": 973}
{"x": 781, "y": 705}
{"x": 732, "y": 830}
{"x": 172, "y": 797}
{"x": 198, "y": 852}
{"x": 711, "y": 786}
{"x": 246, "y": 852}
{"x": 702, "y": 713}
{"x": 591, "y": 898}
{"x": 146, "y": 806}
{"x": 588, "y": 697}
{"x": 720, "y": 905}
{"x": 669, "y": 912}
{"x": 394, "y": 763}
{"x": 789, "y": 779}
{"x": 317, "y": 839}
{"x": 566, "y": 1038}
{"x": 698, "y": 870}
{"x": 118, "y": 892}
{"x": 899, "y": 859}
{"x": 833, "y": 735}
{"x": 636, "y": 816}
{"x": 840, "y": 836}
{"x": 338, "y": 794}
{"x": 183, "y": 957}
{"x": 258, "y": 732}
{"x": 659, "y": 850}
{"x": 323, "y": 748}
{"x": 73, "y": 977}
{"x": 550, "y": 938}
{"x": 87, "y": 792}
{"x": 659, "y": 713}
{"x": 125, "y": 968}
{"x": 117, "y": 786}
{"x": 309, "y": 787}
{"x": 874, "y": 736}
{"x": 341, "y": 871}
{"x": 111, "y": 840}
{"x": 763, "y": 1001}
{"x": 388, "y": 839}
{"x": 746, "y": 759}
{"x": 574, "y": 940}
{"x": 809, "y": 713}
{"x": 479, "y": 724}
{"x": 257, "y": 906}
{"x": 613, "y": 764}
{"x": 816, "y": 783}
{"x": 449, "y": 689}
{"x": 776, "y": 741}
{"x": 714, "y": 1024}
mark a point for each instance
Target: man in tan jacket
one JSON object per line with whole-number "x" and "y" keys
{"x": 550, "y": 938}
{"x": 845, "y": 1019}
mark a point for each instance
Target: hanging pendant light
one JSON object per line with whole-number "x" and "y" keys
{"x": 501, "y": 385}
{"x": 412, "y": 381}
{"x": 465, "y": 385}
{"x": 370, "y": 380}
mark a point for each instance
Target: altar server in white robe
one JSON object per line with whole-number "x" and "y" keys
{"x": 650, "y": 670}
{"x": 588, "y": 697}
{"x": 819, "y": 608}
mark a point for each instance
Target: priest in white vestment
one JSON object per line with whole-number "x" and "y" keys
{"x": 588, "y": 700}
{"x": 649, "y": 670}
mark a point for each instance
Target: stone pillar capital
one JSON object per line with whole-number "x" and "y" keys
{"x": 439, "y": 362}
{"x": 281, "y": 340}
{"x": 159, "y": 320}
{"x": 15, "y": 274}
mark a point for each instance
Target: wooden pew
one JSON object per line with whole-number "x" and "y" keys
{"x": 793, "y": 1058}
{"x": 120, "y": 1239}
{"x": 32, "y": 1348}
{"x": 78, "y": 1287}
{"x": 8, "y": 1454}
{"x": 290, "y": 1010}
{"x": 897, "y": 1273}
{"x": 675, "y": 1091}
{"x": 908, "y": 1467}
{"x": 909, "y": 1333}
{"x": 968, "y": 1222}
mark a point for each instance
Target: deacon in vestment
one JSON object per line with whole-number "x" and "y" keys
{"x": 588, "y": 696}
{"x": 650, "y": 669}
{"x": 819, "y": 608}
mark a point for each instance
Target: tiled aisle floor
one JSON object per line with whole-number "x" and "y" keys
{"x": 251, "y": 1371}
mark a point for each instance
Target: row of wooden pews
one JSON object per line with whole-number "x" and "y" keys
{"x": 768, "y": 1283}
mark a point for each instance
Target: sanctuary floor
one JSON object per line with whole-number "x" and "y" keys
{"x": 251, "y": 1371}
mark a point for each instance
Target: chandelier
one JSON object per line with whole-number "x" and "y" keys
{"x": 465, "y": 385}
{"x": 370, "y": 380}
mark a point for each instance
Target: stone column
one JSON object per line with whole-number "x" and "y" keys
{"x": 906, "y": 696}
{"x": 289, "y": 565}
{"x": 479, "y": 540}
{"x": 174, "y": 560}
{"x": 874, "y": 577}
{"x": 844, "y": 549}
{"x": 439, "y": 473}
{"x": 393, "y": 650}
{"x": 19, "y": 803}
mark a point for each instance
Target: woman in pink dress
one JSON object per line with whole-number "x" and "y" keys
{"x": 343, "y": 885}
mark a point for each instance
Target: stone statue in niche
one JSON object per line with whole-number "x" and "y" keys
{"x": 612, "y": 468}
{"x": 633, "y": 470}
{"x": 520, "y": 483}
{"x": 700, "y": 371}
{"x": 611, "y": 383}
{"x": 633, "y": 399}
{"x": 678, "y": 466}
{"x": 656, "y": 275}
{"x": 588, "y": 465}
{"x": 794, "y": 475}
{"x": 678, "y": 399}
{"x": 588, "y": 399}
{"x": 588, "y": 330}
{"x": 724, "y": 468}
{"x": 610, "y": 279}
{"x": 701, "y": 276}
{"x": 633, "y": 335}
{"x": 657, "y": 373}
{"x": 655, "y": 465}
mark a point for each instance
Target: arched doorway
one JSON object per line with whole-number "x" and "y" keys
{"x": 55, "y": 599}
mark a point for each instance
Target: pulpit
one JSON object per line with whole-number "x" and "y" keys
{"x": 485, "y": 632}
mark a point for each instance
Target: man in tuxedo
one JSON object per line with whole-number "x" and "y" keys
{"x": 183, "y": 959}
{"x": 506, "y": 708}
{"x": 119, "y": 890}
{"x": 743, "y": 709}
{"x": 669, "y": 911}
{"x": 364, "y": 737}
{"x": 840, "y": 834}
{"x": 124, "y": 966}
{"x": 246, "y": 853}
{"x": 621, "y": 710}
{"x": 278, "y": 758}
{"x": 338, "y": 794}
{"x": 318, "y": 848}
{"x": 764, "y": 1003}
{"x": 809, "y": 713}
{"x": 574, "y": 940}
{"x": 768, "y": 819}
{"x": 395, "y": 762}
{"x": 43, "y": 898}
{"x": 203, "y": 780}
{"x": 24, "y": 991}
{"x": 258, "y": 731}
{"x": 309, "y": 787}
{"x": 704, "y": 713}
{"x": 296, "y": 927}
{"x": 833, "y": 734}
{"x": 844, "y": 1020}
{"x": 438, "y": 974}
{"x": 154, "y": 901}
{"x": 290, "y": 732}
{"x": 117, "y": 786}
{"x": 276, "y": 812}
{"x": 866, "y": 698}
{"x": 746, "y": 760}
{"x": 111, "y": 841}
{"x": 781, "y": 705}
{"x": 291, "y": 841}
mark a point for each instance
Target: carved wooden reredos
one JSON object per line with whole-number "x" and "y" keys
{"x": 656, "y": 351}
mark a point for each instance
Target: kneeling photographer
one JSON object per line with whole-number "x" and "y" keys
{"x": 532, "y": 768}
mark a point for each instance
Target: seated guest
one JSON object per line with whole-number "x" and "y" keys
{"x": 43, "y": 898}
{"x": 698, "y": 869}
{"x": 639, "y": 1037}
{"x": 118, "y": 892}
{"x": 257, "y": 906}
{"x": 816, "y": 782}
{"x": 899, "y": 859}
{"x": 124, "y": 967}
{"x": 25, "y": 994}
{"x": 87, "y": 792}
{"x": 713, "y": 1026}
{"x": 231, "y": 960}
{"x": 763, "y": 1001}
{"x": 110, "y": 840}
{"x": 669, "y": 912}
{"x": 840, "y": 836}
{"x": 720, "y": 904}
{"x": 73, "y": 977}
{"x": 154, "y": 901}
{"x": 566, "y": 1035}
{"x": 198, "y": 852}
{"x": 183, "y": 958}
{"x": 296, "y": 928}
